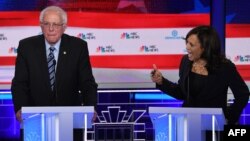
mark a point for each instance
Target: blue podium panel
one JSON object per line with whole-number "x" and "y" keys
{"x": 34, "y": 130}
{"x": 185, "y": 124}
{"x": 55, "y": 123}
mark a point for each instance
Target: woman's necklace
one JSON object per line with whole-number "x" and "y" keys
{"x": 199, "y": 68}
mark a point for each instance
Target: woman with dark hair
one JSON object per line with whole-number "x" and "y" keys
{"x": 205, "y": 76}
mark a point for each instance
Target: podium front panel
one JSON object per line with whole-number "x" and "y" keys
{"x": 55, "y": 123}
{"x": 185, "y": 124}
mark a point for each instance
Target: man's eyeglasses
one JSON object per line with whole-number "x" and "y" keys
{"x": 53, "y": 25}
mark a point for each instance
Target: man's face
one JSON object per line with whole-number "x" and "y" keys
{"x": 52, "y": 26}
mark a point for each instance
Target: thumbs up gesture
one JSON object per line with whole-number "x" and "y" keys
{"x": 156, "y": 75}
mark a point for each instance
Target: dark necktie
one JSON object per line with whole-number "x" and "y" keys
{"x": 51, "y": 65}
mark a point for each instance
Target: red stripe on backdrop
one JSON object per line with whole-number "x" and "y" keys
{"x": 110, "y": 20}
{"x": 19, "y": 18}
{"x": 139, "y": 20}
{"x": 244, "y": 71}
{"x": 114, "y": 20}
{"x": 122, "y": 61}
{"x": 136, "y": 62}
{"x": 5, "y": 83}
{"x": 237, "y": 30}
{"x": 7, "y": 60}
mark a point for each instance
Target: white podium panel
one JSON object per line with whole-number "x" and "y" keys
{"x": 186, "y": 124}
{"x": 55, "y": 123}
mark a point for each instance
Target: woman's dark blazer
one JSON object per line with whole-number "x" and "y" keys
{"x": 214, "y": 93}
{"x": 31, "y": 86}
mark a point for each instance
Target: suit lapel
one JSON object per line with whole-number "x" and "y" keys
{"x": 61, "y": 59}
{"x": 41, "y": 53}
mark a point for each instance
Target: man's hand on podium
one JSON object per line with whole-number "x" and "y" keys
{"x": 94, "y": 117}
{"x": 19, "y": 116}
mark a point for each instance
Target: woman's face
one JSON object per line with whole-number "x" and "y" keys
{"x": 194, "y": 48}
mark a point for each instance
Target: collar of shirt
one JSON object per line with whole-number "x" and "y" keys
{"x": 56, "y": 51}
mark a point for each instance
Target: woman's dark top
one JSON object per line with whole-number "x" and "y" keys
{"x": 196, "y": 83}
{"x": 212, "y": 92}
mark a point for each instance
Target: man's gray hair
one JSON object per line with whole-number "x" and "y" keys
{"x": 57, "y": 9}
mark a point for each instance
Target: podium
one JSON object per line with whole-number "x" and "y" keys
{"x": 55, "y": 123}
{"x": 186, "y": 124}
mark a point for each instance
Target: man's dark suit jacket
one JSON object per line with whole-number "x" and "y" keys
{"x": 31, "y": 86}
{"x": 214, "y": 94}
